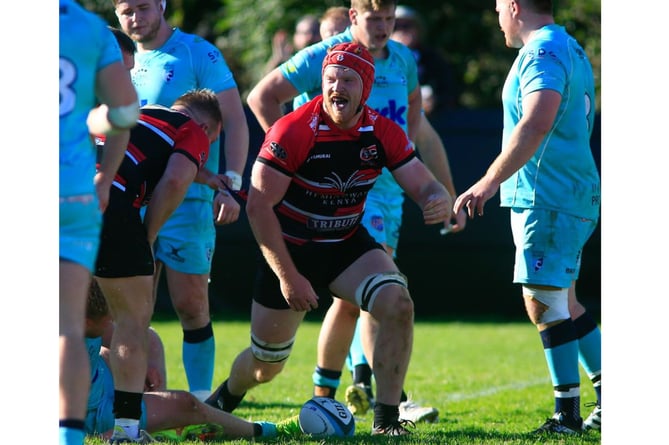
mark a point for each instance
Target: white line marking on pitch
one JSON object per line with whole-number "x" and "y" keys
{"x": 496, "y": 389}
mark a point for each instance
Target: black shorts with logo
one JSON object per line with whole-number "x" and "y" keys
{"x": 320, "y": 263}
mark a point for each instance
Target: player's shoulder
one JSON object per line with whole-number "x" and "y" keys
{"x": 399, "y": 50}
{"x": 193, "y": 41}
{"x": 80, "y": 18}
{"x": 384, "y": 127}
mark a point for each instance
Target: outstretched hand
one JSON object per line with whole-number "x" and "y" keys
{"x": 475, "y": 197}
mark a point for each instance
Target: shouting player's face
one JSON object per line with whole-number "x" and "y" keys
{"x": 342, "y": 90}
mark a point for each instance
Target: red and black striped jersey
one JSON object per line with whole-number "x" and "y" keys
{"x": 332, "y": 169}
{"x": 159, "y": 133}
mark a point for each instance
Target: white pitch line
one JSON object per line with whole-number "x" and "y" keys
{"x": 495, "y": 389}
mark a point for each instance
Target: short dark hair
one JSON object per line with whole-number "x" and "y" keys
{"x": 124, "y": 40}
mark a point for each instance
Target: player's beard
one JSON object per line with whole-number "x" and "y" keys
{"x": 150, "y": 35}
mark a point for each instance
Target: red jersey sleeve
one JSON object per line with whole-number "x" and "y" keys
{"x": 288, "y": 141}
{"x": 192, "y": 142}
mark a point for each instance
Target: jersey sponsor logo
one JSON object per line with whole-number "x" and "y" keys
{"x": 174, "y": 254}
{"x": 278, "y": 151}
{"x": 394, "y": 112}
{"x": 377, "y": 223}
{"x": 319, "y": 156}
{"x": 538, "y": 264}
{"x": 355, "y": 180}
{"x": 369, "y": 153}
{"x": 332, "y": 224}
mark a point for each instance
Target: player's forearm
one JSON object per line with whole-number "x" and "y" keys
{"x": 236, "y": 147}
{"x": 267, "y": 232}
{"x": 166, "y": 197}
{"x": 112, "y": 156}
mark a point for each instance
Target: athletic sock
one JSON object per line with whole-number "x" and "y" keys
{"x": 362, "y": 374}
{"x": 199, "y": 351}
{"x": 230, "y": 401}
{"x": 326, "y": 382}
{"x": 561, "y": 351}
{"x": 71, "y": 432}
{"x": 590, "y": 351}
{"x": 385, "y": 414}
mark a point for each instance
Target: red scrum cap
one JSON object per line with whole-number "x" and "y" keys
{"x": 356, "y": 57}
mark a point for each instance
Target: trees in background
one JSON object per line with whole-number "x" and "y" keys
{"x": 466, "y": 32}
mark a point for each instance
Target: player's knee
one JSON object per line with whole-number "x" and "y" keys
{"x": 392, "y": 285}
{"x": 546, "y": 306}
{"x": 268, "y": 352}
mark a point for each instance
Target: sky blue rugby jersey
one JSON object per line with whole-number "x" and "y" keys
{"x": 184, "y": 62}
{"x": 78, "y": 66}
{"x": 562, "y": 174}
{"x": 395, "y": 77}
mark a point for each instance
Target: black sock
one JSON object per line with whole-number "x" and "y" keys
{"x": 362, "y": 374}
{"x": 385, "y": 415}
{"x": 75, "y": 424}
{"x": 198, "y": 335}
{"x": 230, "y": 401}
{"x": 127, "y": 405}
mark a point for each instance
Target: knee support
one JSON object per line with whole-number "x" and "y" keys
{"x": 369, "y": 288}
{"x": 271, "y": 352}
{"x": 556, "y": 300}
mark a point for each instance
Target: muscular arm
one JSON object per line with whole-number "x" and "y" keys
{"x": 169, "y": 192}
{"x": 266, "y": 98}
{"x": 268, "y": 187}
{"x": 236, "y": 130}
{"x": 421, "y": 186}
{"x": 539, "y": 111}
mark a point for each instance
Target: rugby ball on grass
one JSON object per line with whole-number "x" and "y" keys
{"x": 323, "y": 417}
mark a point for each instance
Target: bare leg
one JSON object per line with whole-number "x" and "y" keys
{"x": 174, "y": 409}
{"x": 271, "y": 326}
{"x": 74, "y": 376}
{"x": 335, "y": 337}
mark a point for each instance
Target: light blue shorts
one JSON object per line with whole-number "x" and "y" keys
{"x": 100, "y": 418}
{"x": 187, "y": 240}
{"x": 383, "y": 218}
{"x": 548, "y": 246}
{"x": 80, "y": 226}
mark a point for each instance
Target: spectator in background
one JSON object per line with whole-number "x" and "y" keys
{"x": 306, "y": 33}
{"x": 333, "y": 21}
{"x": 436, "y": 76}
